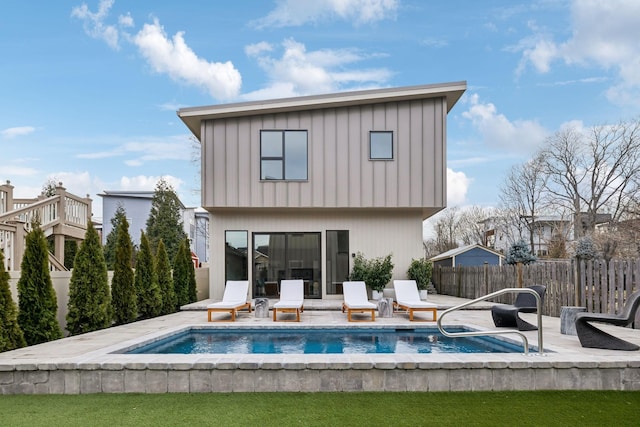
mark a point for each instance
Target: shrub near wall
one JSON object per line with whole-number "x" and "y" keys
{"x": 11, "y": 336}
{"x": 89, "y": 307}
{"x": 61, "y": 280}
{"x": 37, "y": 305}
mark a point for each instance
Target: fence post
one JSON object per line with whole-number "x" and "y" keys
{"x": 576, "y": 282}
{"x": 519, "y": 271}
{"x": 486, "y": 278}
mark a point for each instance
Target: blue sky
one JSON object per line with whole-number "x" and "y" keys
{"x": 90, "y": 89}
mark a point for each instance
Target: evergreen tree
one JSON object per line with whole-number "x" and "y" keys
{"x": 586, "y": 249}
{"x": 164, "y": 220}
{"x": 123, "y": 291}
{"x": 119, "y": 216}
{"x": 70, "y": 251}
{"x": 192, "y": 287}
{"x": 89, "y": 307}
{"x": 37, "y": 302}
{"x": 146, "y": 282}
{"x": 11, "y": 336}
{"x": 165, "y": 281}
{"x": 181, "y": 276}
{"x": 519, "y": 253}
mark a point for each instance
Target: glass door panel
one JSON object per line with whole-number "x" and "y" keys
{"x": 280, "y": 256}
{"x": 337, "y": 260}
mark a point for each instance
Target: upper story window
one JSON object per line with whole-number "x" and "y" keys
{"x": 283, "y": 155}
{"x": 381, "y": 145}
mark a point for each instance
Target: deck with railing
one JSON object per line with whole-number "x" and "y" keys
{"x": 61, "y": 215}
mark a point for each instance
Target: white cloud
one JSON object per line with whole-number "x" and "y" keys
{"x": 175, "y": 58}
{"x": 17, "y": 131}
{"x": 257, "y": 49}
{"x": 604, "y": 34}
{"x": 11, "y": 170}
{"x": 148, "y": 183}
{"x": 301, "y": 72}
{"x": 78, "y": 183}
{"x": 499, "y": 132}
{"x": 434, "y": 42}
{"x": 147, "y": 149}
{"x": 93, "y": 22}
{"x": 457, "y": 187}
{"x": 299, "y": 12}
{"x": 170, "y": 56}
{"x": 126, "y": 20}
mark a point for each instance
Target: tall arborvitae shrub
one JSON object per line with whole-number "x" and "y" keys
{"x": 11, "y": 336}
{"x": 123, "y": 291}
{"x": 109, "y": 249}
{"x": 89, "y": 307}
{"x": 146, "y": 281}
{"x": 181, "y": 276}
{"x": 37, "y": 304}
{"x": 165, "y": 281}
{"x": 165, "y": 219}
{"x": 192, "y": 287}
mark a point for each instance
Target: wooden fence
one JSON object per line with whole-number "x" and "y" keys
{"x": 599, "y": 286}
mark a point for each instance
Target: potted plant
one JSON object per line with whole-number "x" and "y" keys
{"x": 375, "y": 272}
{"x": 420, "y": 270}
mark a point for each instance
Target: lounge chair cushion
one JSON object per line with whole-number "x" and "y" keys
{"x": 356, "y": 300}
{"x": 233, "y": 299}
{"x": 291, "y": 298}
{"x": 408, "y": 298}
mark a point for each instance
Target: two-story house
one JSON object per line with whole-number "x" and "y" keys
{"x": 137, "y": 205}
{"x": 296, "y": 187}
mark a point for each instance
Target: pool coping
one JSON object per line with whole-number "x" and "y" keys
{"x": 85, "y": 364}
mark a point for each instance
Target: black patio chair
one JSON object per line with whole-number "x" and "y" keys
{"x": 506, "y": 316}
{"x": 592, "y": 337}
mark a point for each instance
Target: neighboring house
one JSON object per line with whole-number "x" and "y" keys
{"x": 467, "y": 256}
{"x": 200, "y": 239}
{"x": 137, "y": 205}
{"x": 300, "y": 185}
{"x": 500, "y": 235}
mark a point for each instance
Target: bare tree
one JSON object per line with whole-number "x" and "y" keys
{"x": 446, "y": 237}
{"x": 523, "y": 194}
{"x": 593, "y": 172}
{"x": 470, "y": 224}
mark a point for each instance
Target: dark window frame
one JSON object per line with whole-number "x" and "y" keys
{"x": 282, "y": 158}
{"x": 376, "y": 132}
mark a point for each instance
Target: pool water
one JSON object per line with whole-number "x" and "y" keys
{"x": 323, "y": 341}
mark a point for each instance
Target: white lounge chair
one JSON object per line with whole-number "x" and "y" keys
{"x": 233, "y": 299}
{"x": 356, "y": 300}
{"x": 408, "y": 298}
{"x": 291, "y": 298}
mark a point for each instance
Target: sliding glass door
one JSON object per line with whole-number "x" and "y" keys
{"x": 280, "y": 256}
{"x": 337, "y": 260}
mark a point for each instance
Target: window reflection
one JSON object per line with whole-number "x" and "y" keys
{"x": 281, "y": 256}
{"x": 381, "y": 145}
{"x": 337, "y": 270}
{"x": 283, "y": 155}
{"x": 236, "y": 265}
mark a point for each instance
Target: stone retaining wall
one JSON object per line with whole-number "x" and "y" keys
{"x": 202, "y": 377}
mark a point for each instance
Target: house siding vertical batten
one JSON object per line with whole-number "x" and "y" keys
{"x": 381, "y": 203}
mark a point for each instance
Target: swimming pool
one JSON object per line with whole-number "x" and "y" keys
{"x": 322, "y": 341}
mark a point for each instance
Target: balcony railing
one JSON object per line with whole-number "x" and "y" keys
{"x": 61, "y": 215}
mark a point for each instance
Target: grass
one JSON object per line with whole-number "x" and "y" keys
{"x": 540, "y": 408}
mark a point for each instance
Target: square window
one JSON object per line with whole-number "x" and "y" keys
{"x": 283, "y": 155}
{"x": 381, "y": 145}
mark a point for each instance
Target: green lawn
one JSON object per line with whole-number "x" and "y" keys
{"x": 548, "y": 408}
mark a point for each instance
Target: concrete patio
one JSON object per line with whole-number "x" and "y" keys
{"x": 85, "y": 363}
